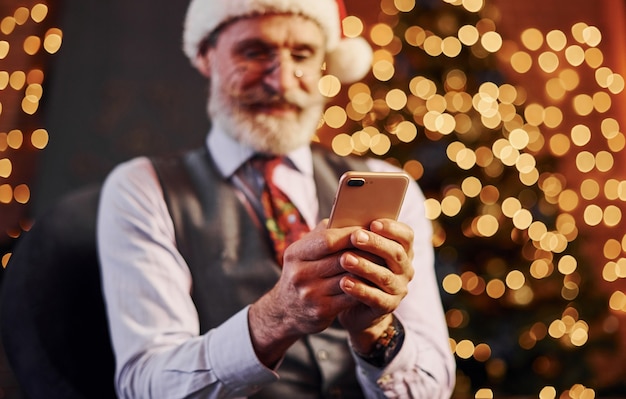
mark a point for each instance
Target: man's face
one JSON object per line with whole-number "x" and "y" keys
{"x": 264, "y": 72}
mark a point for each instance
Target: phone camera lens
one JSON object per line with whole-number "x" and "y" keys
{"x": 356, "y": 182}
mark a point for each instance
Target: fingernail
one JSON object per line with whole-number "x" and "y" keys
{"x": 376, "y": 226}
{"x": 351, "y": 260}
{"x": 362, "y": 237}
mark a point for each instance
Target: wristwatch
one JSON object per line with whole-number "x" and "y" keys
{"x": 387, "y": 345}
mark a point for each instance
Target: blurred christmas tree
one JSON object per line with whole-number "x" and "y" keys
{"x": 522, "y": 306}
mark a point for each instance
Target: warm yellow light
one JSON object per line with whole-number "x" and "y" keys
{"x": 21, "y": 15}
{"x": 515, "y": 279}
{"x": 484, "y": 393}
{"x": 575, "y": 55}
{"x": 31, "y": 45}
{"x": 39, "y": 139}
{"x": 581, "y": 135}
{"x": 383, "y": 70}
{"x": 568, "y": 200}
{"x": 415, "y": 36}
{"x": 7, "y": 25}
{"x": 456, "y": 80}
{"x": 487, "y": 225}
{"x": 593, "y": 215}
{"x": 335, "y": 116}
{"x": 491, "y": 41}
{"x": 15, "y": 138}
{"x": 465, "y": 349}
{"x": 473, "y": 5}
{"x": 521, "y": 62}
{"x": 592, "y": 36}
{"x": 468, "y": 35}
{"x": 433, "y": 45}
{"x": 342, "y": 144}
{"x": 601, "y": 102}
{"x": 432, "y": 208}
{"x": 329, "y": 86}
{"x": 548, "y": 61}
{"x": 585, "y": 161}
{"x": 52, "y": 41}
{"x": 381, "y": 34}
{"x": 451, "y": 46}
{"x": 537, "y": 230}
{"x": 556, "y": 40}
{"x": 578, "y": 31}
{"x": 612, "y": 216}
{"x": 594, "y": 57}
{"x": 396, "y": 99}
{"x": 4, "y": 49}
{"x": 422, "y": 87}
{"x": 559, "y": 144}
{"x": 6, "y": 191}
{"x": 405, "y": 131}
{"x": 380, "y": 144}
{"x": 21, "y": 193}
{"x": 362, "y": 103}
{"x": 452, "y": 283}
{"x": 570, "y": 79}
{"x": 404, "y": 5}
{"x": 583, "y": 104}
{"x": 495, "y": 288}
{"x": 352, "y": 26}
{"x": 532, "y": 39}
{"x": 604, "y": 161}
{"x": 451, "y": 205}
{"x": 617, "y": 84}
{"x": 39, "y": 12}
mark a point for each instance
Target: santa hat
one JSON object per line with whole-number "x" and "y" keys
{"x": 349, "y": 59}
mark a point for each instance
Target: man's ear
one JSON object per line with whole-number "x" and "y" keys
{"x": 203, "y": 63}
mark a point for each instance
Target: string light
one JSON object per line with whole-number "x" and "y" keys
{"x": 21, "y": 85}
{"x": 528, "y": 130}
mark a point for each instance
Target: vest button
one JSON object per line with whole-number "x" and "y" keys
{"x": 322, "y": 354}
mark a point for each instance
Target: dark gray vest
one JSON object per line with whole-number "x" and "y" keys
{"x": 232, "y": 265}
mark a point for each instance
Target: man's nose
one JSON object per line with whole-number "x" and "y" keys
{"x": 283, "y": 75}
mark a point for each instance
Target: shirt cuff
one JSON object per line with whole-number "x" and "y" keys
{"x": 377, "y": 378}
{"x": 232, "y": 356}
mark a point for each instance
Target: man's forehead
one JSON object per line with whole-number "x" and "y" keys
{"x": 299, "y": 27}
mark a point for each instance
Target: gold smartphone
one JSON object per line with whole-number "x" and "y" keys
{"x": 363, "y": 197}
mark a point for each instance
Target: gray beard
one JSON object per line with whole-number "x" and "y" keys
{"x": 262, "y": 132}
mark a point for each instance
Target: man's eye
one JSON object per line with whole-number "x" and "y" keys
{"x": 257, "y": 54}
{"x": 301, "y": 56}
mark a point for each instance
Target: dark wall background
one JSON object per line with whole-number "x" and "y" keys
{"x": 119, "y": 87}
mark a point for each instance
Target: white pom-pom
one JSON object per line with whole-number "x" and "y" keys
{"x": 351, "y": 60}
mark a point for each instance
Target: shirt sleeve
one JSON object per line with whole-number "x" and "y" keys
{"x": 424, "y": 367}
{"x": 153, "y": 321}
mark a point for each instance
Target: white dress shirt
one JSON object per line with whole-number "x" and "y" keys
{"x": 154, "y": 324}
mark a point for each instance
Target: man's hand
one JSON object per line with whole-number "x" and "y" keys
{"x": 378, "y": 282}
{"x": 308, "y": 296}
{"x": 357, "y": 275}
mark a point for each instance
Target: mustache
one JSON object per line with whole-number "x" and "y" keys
{"x": 265, "y": 96}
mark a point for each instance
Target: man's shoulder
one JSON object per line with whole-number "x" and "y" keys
{"x": 352, "y": 161}
{"x": 322, "y": 153}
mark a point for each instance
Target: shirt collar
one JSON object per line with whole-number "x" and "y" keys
{"x": 229, "y": 154}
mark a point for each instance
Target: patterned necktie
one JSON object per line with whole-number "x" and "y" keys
{"x": 283, "y": 221}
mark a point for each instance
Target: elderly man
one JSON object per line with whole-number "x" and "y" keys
{"x": 210, "y": 303}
